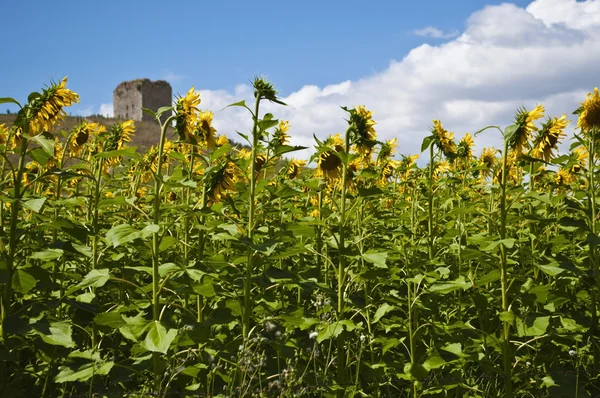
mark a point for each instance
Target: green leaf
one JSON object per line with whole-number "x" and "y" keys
{"x": 55, "y": 333}
{"x": 34, "y": 204}
{"x": 415, "y": 371}
{"x": 7, "y": 100}
{"x": 426, "y": 142}
{"x": 23, "y": 282}
{"x": 163, "y": 109}
{"x": 450, "y": 286}
{"x": 507, "y": 316}
{"x": 134, "y": 327}
{"x": 112, "y": 319}
{"x": 166, "y": 243}
{"x": 280, "y": 150}
{"x": 40, "y": 155}
{"x": 129, "y": 152}
{"x": 47, "y": 255}
{"x": 46, "y": 141}
{"x": 94, "y": 278}
{"x": 301, "y": 230}
{"x": 488, "y": 278}
{"x": 508, "y": 243}
{"x": 121, "y": 234}
{"x": 382, "y": 310}
{"x": 540, "y": 324}
{"x": 158, "y": 339}
{"x": 84, "y": 372}
{"x": 330, "y": 331}
{"x": 149, "y": 112}
{"x": 510, "y": 131}
{"x": 378, "y": 259}
{"x": 548, "y": 269}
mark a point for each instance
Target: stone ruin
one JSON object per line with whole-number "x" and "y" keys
{"x": 130, "y": 97}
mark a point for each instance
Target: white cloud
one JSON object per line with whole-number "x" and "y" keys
{"x": 431, "y": 31}
{"x": 106, "y": 110}
{"x": 507, "y": 57}
{"x": 171, "y": 76}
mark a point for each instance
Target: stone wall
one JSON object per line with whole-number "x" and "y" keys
{"x": 130, "y": 97}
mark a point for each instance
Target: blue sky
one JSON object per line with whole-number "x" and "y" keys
{"x": 212, "y": 45}
{"x": 468, "y": 63}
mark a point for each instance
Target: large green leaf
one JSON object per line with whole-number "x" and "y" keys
{"x": 23, "y": 282}
{"x": 158, "y": 338}
{"x": 54, "y": 333}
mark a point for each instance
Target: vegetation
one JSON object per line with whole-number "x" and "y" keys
{"x": 197, "y": 268}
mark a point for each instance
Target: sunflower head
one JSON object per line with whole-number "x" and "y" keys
{"x": 81, "y": 136}
{"x": 220, "y": 181}
{"x": 589, "y": 112}
{"x": 548, "y": 138}
{"x": 388, "y": 150}
{"x": 465, "y": 146}
{"x": 186, "y": 116}
{"x": 329, "y": 164}
{"x": 280, "y": 136}
{"x": 206, "y": 129}
{"x": 294, "y": 168}
{"x": 263, "y": 89}
{"x": 565, "y": 177}
{"x": 363, "y": 129}
{"x": 46, "y": 109}
{"x": 3, "y": 134}
{"x": 222, "y": 140}
{"x": 523, "y": 127}
{"x": 443, "y": 139}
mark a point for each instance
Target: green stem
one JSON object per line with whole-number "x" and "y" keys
{"x": 12, "y": 245}
{"x": 503, "y": 276}
{"x": 158, "y": 183}
{"x": 430, "y": 207}
{"x": 592, "y": 249}
{"x": 250, "y": 227}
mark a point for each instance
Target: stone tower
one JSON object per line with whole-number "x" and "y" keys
{"x": 130, "y": 97}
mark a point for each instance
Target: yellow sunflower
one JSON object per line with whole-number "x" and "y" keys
{"x": 524, "y": 121}
{"x": 589, "y": 112}
{"x": 329, "y": 165}
{"x": 280, "y": 136}
{"x": 221, "y": 181}
{"x": 443, "y": 139}
{"x": 82, "y": 134}
{"x": 465, "y": 147}
{"x": 47, "y": 109}
{"x": 186, "y": 116}
{"x": 363, "y": 121}
{"x": 549, "y": 137}
{"x": 206, "y": 128}
{"x": 294, "y": 168}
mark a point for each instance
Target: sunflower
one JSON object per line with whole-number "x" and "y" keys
{"x": 524, "y": 122}
{"x": 443, "y": 139}
{"x": 222, "y": 140}
{"x": 548, "y": 138}
{"x": 487, "y": 159}
{"x": 364, "y": 125}
{"x": 565, "y": 177}
{"x": 294, "y": 168}
{"x": 329, "y": 164}
{"x": 31, "y": 172}
{"x": 186, "y": 116}
{"x": 3, "y": 134}
{"x": 280, "y": 136}
{"x": 388, "y": 150}
{"x": 589, "y": 112}
{"x": 465, "y": 147}
{"x": 47, "y": 108}
{"x": 206, "y": 129}
{"x": 81, "y": 135}
{"x": 220, "y": 181}
{"x": 388, "y": 171}
{"x": 581, "y": 153}
{"x": 259, "y": 162}
{"x": 53, "y": 161}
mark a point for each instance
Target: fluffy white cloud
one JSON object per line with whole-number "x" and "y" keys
{"x": 107, "y": 110}
{"x": 431, "y": 31}
{"x": 506, "y": 57}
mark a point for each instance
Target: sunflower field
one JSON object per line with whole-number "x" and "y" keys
{"x": 201, "y": 267}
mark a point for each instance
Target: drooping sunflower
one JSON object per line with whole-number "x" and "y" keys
{"x": 259, "y": 162}
{"x": 82, "y": 134}
{"x": 524, "y": 122}
{"x": 47, "y": 108}
{"x": 581, "y": 153}
{"x": 443, "y": 139}
{"x": 387, "y": 150}
{"x": 565, "y": 177}
{"x": 186, "y": 116}
{"x": 329, "y": 164}
{"x": 206, "y": 129}
{"x": 222, "y": 140}
{"x": 487, "y": 159}
{"x": 388, "y": 171}
{"x": 280, "y": 136}
{"x": 362, "y": 120}
{"x": 465, "y": 146}
{"x": 548, "y": 138}
{"x": 294, "y": 168}
{"x": 3, "y": 134}
{"x": 116, "y": 139}
{"x": 589, "y": 112}
{"x": 221, "y": 181}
